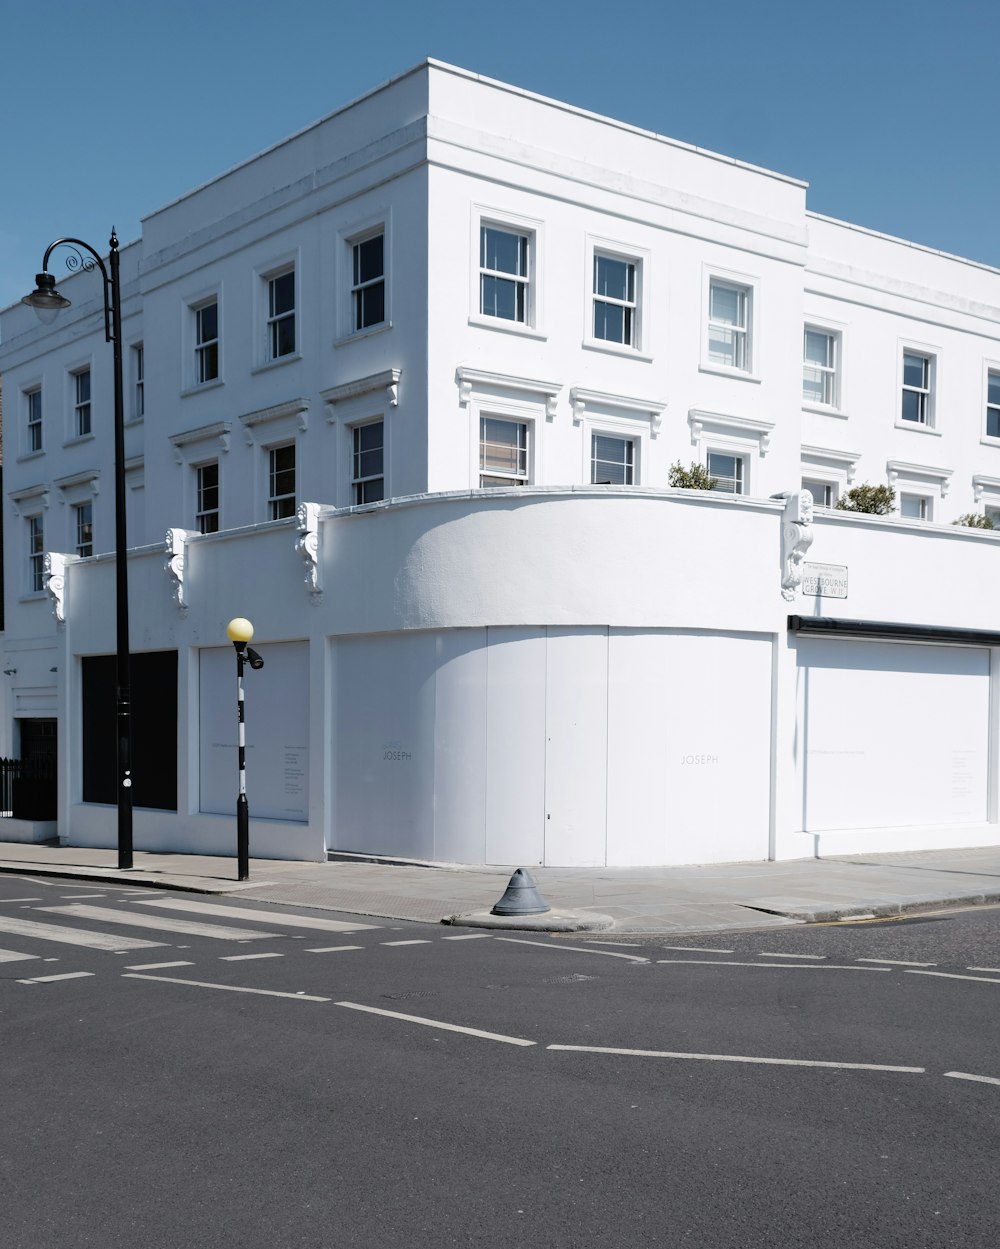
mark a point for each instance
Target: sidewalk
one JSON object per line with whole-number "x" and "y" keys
{"x": 640, "y": 899}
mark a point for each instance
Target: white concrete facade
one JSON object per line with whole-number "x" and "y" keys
{"x": 549, "y": 669}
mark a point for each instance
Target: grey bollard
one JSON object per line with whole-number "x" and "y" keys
{"x": 521, "y": 897}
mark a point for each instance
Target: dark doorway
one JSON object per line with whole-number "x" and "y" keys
{"x": 33, "y": 788}
{"x": 154, "y": 730}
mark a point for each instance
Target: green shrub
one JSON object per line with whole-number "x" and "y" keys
{"x": 694, "y": 478}
{"x": 975, "y": 520}
{"x": 875, "y": 500}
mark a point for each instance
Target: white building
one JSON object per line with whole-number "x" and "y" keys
{"x": 405, "y": 390}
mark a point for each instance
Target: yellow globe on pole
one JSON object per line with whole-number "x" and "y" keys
{"x": 239, "y": 629}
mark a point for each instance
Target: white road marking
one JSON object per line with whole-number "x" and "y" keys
{"x": 65, "y": 975}
{"x": 108, "y": 915}
{"x": 896, "y": 962}
{"x": 436, "y": 1023}
{"x": 12, "y": 956}
{"x": 697, "y": 949}
{"x": 965, "y": 1075}
{"x": 74, "y": 936}
{"x": 75, "y": 896}
{"x": 242, "y": 958}
{"x": 4, "y": 900}
{"x": 704, "y": 962}
{"x": 764, "y": 954}
{"x": 333, "y": 949}
{"x": 230, "y": 988}
{"x": 995, "y": 970}
{"x": 948, "y": 975}
{"x": 469, "y": 936}
{"x": 159, "y": 966}
{"x": 734, "y": 1058}
{"x": 575, "y": 949}
{"x": 277, "y": 919}
{"x": 418, "y": 941}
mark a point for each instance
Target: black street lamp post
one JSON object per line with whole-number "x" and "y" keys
{"x": 47, "y": 302}
{"x": 240, "y": 631}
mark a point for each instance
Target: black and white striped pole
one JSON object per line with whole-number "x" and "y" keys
{"x": 240, "y": 632}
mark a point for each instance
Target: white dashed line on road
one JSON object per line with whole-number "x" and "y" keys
{"x": 765, "y": 954}
{"x": 697, "y": 949}
{"x": 896, "y": 962}
{"x": 333, "y": 949}
{"x": 468, "y": 936}
{"x": 702, "y": 962}
{"x": 66, "y": 975}
{"x": 230, "y": 988}
{"x": 574, "y": 949}
{"x": 276, "y": 919}
{"x": 949, "y": 975}
{"x": 994, "y": 970}
{"x": 965, "y": 1075}
{"x": 437, "y": 1023}
{"x": 418, "y": 941}
{"x": 733, "y": 1058}
{"x": 159, "y": 966}
{"x": 243, "y": 958}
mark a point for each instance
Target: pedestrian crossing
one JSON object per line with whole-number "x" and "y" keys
{"x": 166, "y": 921}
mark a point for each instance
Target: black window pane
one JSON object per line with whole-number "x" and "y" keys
{"x": 369, "y": 260}
{"x": 506, "y": 253}
{"x": 208, "y": 323}
{"x": 370, "y": 305}
{"x": 283, "y": 336}
{"x": 283, "y": 293}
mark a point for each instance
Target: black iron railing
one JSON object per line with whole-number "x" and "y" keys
{"x": 28, "y": 789}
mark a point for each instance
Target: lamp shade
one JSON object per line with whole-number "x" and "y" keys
{"x": 239, "y": 629}
{"x": 45, "y": 299}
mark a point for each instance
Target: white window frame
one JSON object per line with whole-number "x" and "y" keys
{"x": 991, "y": 368}
{"x": 834, "y": 373}
{"x": 615, "y": 416}
{"x": 741, "y": 462}
{"x": 82, "y": 409}
{"x": 266, "y": 274}
{"x": 278, "y": 503}
{"x": 925, "y": 506}
{"x": 512, "y": 479}
{"x": 137, "y": 357}
{"x": 360, "y": 287}
{"x": 35, "y": 523}
{"x": 830, "y": 491}
{"x": 33, "y": 428}
{"x": 749, "y": 287}
{"x": 360, "y": 481}
{"x": 639, "y": 259}
{"x": 202, "y": 514}
{"x": 79, "y": 526}
{"x": 630, "y": 462}
{"x": 932, "y": 355}
{"x": 484, "y": 217}
{"x": 207, "y": 348}
{"x": 830, "y": 467}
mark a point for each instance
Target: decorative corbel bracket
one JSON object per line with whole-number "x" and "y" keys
{"x": 54, "y": 580}
{"x": 307, "y": 544}
{"x": 176, "y": 564}
{"x": 796, "y": 539}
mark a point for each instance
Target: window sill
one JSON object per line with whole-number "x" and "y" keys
{"x": 721, "y": 370}
{"x": 367, "y": 332}
{"x": 203, "y": 386}
{"x": 134, "y": 420}
{"x": 616, "y": 349}
{"x": 822, "y": 409}
{"x": 986, "y": 441}
{"x": 507, "y": 327}
{"x": 30, "y": 455}
{"x": 33, "y": 596}
{"x": 916, "y": 427}
{"x": 73, "y": 442}
{"x": 276, "y": 364}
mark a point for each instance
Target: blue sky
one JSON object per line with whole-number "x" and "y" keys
{"x": 889, "y": 109}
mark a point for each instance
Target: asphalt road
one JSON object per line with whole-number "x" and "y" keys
{"x": 247, "y": 1081}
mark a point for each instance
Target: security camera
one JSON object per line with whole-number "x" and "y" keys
{"x": 255, "y": 660}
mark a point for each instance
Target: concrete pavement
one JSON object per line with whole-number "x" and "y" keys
{"x": 626, "y": 900}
